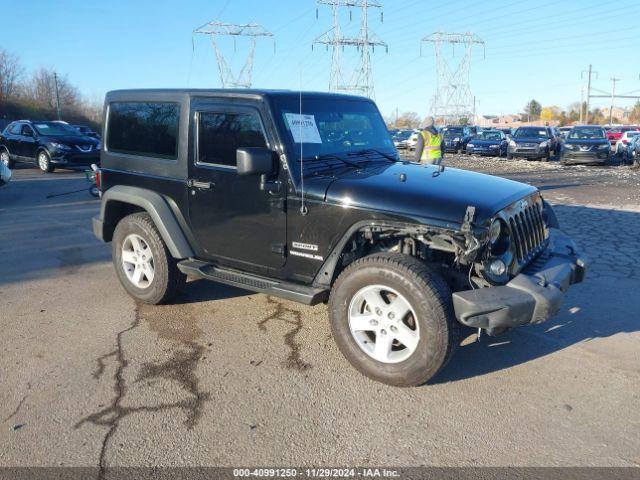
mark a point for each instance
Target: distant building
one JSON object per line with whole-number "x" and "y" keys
{"x": 510, "y": 121}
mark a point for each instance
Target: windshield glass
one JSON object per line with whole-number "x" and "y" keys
{"x": 577, "y": 133}
{"x": 497, "y": 136}
{"x": 531, "y": 133}
{"x": 329, "y": 130}
{"x": 452, "y": 131}
{"x": 402, "y": 135}
{"x": 53, "y": 129}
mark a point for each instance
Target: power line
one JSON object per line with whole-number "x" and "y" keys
{"x": 215, "y": 29}
{"x": 361, "y": 80}
{"x": 453, "y": 99}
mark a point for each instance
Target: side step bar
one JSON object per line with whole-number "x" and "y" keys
{"x": 254, "y": 283}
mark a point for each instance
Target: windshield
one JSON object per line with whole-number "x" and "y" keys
{"x": 452, "y": 131}
{"x": 632, "y": 134}
{"x": 402, "y": 135}
{"x": 53, "y": 129}
{"x": 585, "y": 133}
{"x": 531, "y": 133}
{"x": 497, "y": 136}
{"x": 331, "y": 129}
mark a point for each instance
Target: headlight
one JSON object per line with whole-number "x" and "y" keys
{"x": 497, "y": 268}
{"x": 568, "y": 146}
{"x": 59, "y": 146}
{"x": 470, "y": 145}
{"x": 512, "y": 144}
{"x": 494, "y": 231}
{"x": 604, "y": 146}
{"x": 98, "y": 146}
{"x": 544, "y": 144}
{"x": 457, "y": 139}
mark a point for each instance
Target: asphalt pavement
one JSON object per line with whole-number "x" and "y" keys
{"x": 225, "y": 377}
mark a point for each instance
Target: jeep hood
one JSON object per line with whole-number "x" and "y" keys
{"x": 420, "y": 191}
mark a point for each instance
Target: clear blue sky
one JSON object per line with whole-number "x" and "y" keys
{"x": 534, "y": 49}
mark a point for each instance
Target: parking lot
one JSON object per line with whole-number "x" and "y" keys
{"x": 225, "y": 377}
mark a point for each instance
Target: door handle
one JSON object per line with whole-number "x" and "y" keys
{"x": 199, "y": 184}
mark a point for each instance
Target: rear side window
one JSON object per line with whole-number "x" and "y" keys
{"x": 221, "y": 134}
{"x": 148, "y": 129}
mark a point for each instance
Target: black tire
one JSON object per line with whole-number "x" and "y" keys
{"x": 429, "y": 297}
{"x": 6, "y": 158}
{"x": 167, "y": 279}
{"x": 43, "y": 162}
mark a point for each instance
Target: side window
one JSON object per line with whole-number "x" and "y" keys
{"x": 221, "y": 134}
{"x": 27, "y": 131}
{"x": 15, "y": 129}
{"x": 144, "y": 128}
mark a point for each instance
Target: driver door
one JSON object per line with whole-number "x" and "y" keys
{"x": 234, "y": 222}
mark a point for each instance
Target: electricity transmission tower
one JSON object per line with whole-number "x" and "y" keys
{"x": 242, "y": 78}
{"x": 453, "y": 99}
{"x": 361, "y": 80}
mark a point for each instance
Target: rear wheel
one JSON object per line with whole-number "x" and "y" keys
{"x": 392, "y": 318}
{"x": 6, "y": 158}
{"x": 44, "y": 162}
{"x": 142, "y": 261}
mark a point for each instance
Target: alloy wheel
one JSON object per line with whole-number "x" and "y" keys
{"x": 43, "y": 161}
{"x": 383, "y": 324}
{"x": 4, "y": 157}
{"x": 137, "y": 261}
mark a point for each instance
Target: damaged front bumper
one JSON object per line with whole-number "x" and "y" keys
{"x": 530, "y": 297}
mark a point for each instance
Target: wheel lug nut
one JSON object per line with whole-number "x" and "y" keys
{"x": 378, "y": 312}
{"x": 391, "y": 315}
{"x": 393, "y": 329}
{"x": 374, "y": 322}
{"x": 383, "y": 332}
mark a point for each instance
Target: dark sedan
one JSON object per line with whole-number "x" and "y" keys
{"x": 48, "y": 145}
{"x": 533, "y": 143}
{"x": 586, "y": 144}
{"x": 456, "y": 138}
{"x": 488, "y": 142}
{"x": 631, "y": 154}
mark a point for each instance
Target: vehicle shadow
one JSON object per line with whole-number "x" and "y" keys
{"x": 600, "y": 307}
{"x": 200, "y": 290}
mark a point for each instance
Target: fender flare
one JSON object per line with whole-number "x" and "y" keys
{"x": 155, "y": 206}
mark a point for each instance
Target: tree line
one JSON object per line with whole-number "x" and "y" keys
{"x": 33, "y": 95}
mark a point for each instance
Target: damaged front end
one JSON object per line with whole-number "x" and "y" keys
{"x": 521, "y": 269}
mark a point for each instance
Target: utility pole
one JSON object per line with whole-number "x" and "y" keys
{"x": 590, "y": 72}
{"x": 361, "y": 80}
{"x": 397, "y": 117}
{"x": 581, "y": 102}
{"x": 55, "y": 82}
{"x": 453, "y": 99}
{"x": 613, "y": 94}
{"x": 215, "y": 29}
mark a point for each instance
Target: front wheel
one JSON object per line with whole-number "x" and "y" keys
{"x": 44, "y": 162}
{"x": 6, "y": 159}
{"x": 392, "y": 318}
{"x": 142, "y": 261}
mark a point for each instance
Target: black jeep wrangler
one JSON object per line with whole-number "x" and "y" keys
{"x": 304, "y": 196}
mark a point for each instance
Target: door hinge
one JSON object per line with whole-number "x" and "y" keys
{"x": 278, "y": 248}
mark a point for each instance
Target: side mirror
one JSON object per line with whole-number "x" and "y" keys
{"x": 255, "y": 161}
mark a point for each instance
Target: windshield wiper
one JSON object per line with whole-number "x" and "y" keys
{"x": 326, "y": 156}
{"x": 373, "y": 150}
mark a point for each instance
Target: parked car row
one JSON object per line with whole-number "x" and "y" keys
{"x": 49, "y": 144}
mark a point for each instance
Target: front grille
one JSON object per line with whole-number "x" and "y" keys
{"x": 528, "y": 232}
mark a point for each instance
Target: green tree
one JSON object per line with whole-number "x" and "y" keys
{"x": 532, "y": 110}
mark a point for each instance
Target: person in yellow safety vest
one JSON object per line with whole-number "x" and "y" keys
{"x": 430, "y": 147}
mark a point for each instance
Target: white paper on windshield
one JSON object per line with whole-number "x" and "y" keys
{"x": 303, "y": 128}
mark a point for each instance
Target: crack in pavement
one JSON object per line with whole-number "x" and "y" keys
{"x": 180, "y": 367}
{"x": 114, "y": 412}
{"x": 294, "y": 360}
{"x": 17, "y": 409}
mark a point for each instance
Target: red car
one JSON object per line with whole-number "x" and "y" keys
{"x": 615, "y": 134}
